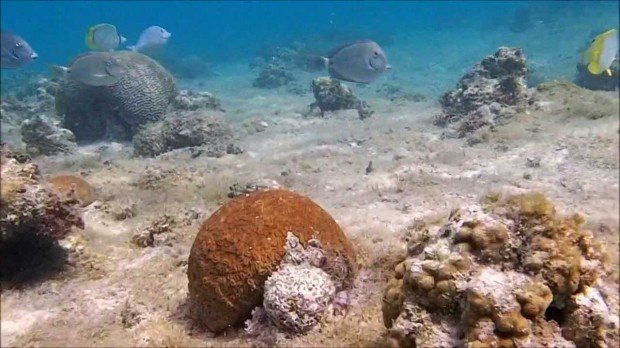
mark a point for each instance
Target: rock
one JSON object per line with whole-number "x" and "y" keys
{"x": 43, "y": 137}
{"x": 332, "y": 95}
{"x": 227, "y": 268}
{"x": 29, "y": 206}
{"x": 159, "y": 232}
{"x": 74, "y": 187}
{"x": 237, "y": 190}
{"x": 273, "y": 76}
{"x": 184, "y": 129}
{"x": 196, "y": 100}
{"x": 488, "y": 94}
{"x": 116, "y": 112}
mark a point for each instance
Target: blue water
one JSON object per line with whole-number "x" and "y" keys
{"x": 426, "y": 42}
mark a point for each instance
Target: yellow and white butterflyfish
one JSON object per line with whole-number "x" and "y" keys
{"x": 602, "y": 52}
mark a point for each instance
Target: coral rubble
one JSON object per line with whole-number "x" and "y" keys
{"x": 184, "y": 129}
{"x": 492, "y": 91}
{"x": 43, "y": 137}
{"x": 509, "y": 273}
{"x": 332, "y": 95}
{"x": 241, "y": 244}
{"x": 196, "y": 100}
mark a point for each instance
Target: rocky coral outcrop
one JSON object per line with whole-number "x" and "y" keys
{"x": 273, "y": 76}
{"x": 508, "y": 273}
{"x": 157, "y": 233}
{"x": 29, "y": 206}
{"x": 116, "y": 112}
{"x": 184, "y": 129}
{"x": 332, "y": 95}
{"x": 196, "y": 100}
{"x": 491, "y": 92}
{"x": 44, "y": 137}
{"x": 28, "y": 100}
{"x": 241, "y": 245}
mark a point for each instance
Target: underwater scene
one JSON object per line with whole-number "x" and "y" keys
{"x": 310, "y": 174}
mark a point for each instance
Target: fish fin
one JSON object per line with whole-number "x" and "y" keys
{"x": 123, "y": 39}
{"x": 594, "y": 68}
{"x": 325, "y": 62}
{"x": 333, "y": 73}
{"x": 608, "y": 72}
{"x": 59, "y": 70}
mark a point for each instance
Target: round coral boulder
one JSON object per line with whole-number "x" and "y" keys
{"x": 73, "y": 185}
{"x": 243, "y": 242}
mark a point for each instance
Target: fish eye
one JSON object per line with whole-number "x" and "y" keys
{"x": 376, "y": 53}
{"x": 18, "y": 45}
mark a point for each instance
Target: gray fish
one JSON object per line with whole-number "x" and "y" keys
{"x": 361, "y": 62}
{"x": 15, "y": 51}
{"x": 151, "y": 38}
{"x": 93, "y": 69}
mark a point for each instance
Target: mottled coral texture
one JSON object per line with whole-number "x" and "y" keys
{"x": 508, "y": 273}
{"x": 242, "y": 243}
{"x": 29, "y": 206}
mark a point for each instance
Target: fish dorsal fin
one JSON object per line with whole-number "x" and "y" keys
{"x": 334, "y": 51}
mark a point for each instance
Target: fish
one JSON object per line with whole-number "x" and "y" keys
{"x": 93, "y": 69}
{"x": 151, "y": 38}
{"x": 103, "y": 37}
{"x": 16, "y": 52}
{"x": 361, "y": 62}
{"x": 602, "y": 52}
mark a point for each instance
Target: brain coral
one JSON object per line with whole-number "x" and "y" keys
{"x": 69, "y": 184}
{"x": 140, "y": 96}
{"x": 511, "y": 273}
{"x": 243, "y": 242}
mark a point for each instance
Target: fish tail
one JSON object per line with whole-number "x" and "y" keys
{"x": 59, "y": 70}
{"x": 132, "y": 48}
{"x": 325, "y": 62}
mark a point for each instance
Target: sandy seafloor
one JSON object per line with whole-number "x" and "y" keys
{"x": 416, "y": 175}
